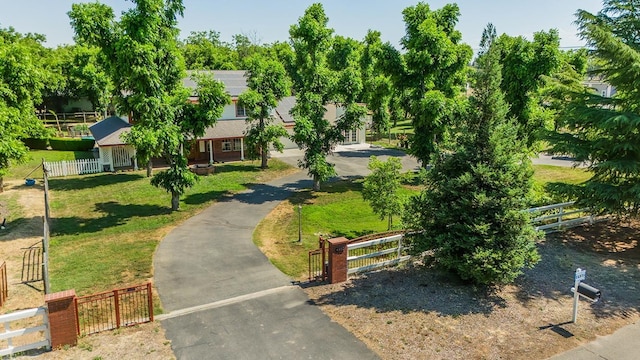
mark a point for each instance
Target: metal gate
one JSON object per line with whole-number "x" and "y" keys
{"x": 121, "y": 156}
{"x": 32, "y": 263}
{"x": 318, "y": 270}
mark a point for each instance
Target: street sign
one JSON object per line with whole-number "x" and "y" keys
{"x": 580, "y": 275}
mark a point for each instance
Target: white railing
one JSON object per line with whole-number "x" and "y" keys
{"x": 374, "y": 254}
{"x": 8, "y": 334}
{"x": 73, "y": 167}
{"x": 560, "y": 216}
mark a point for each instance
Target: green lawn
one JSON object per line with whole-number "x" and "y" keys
{"x": 106, "y": 227}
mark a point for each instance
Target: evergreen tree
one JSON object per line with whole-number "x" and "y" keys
{"x": 470, "y": 213}
{"x": 605, "y": 132}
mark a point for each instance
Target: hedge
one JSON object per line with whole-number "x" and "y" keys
{"x": 71, "y": 144}
{"x": 36, "y": 144}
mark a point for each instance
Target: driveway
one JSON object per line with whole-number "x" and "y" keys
{"x": 224, "y": 299}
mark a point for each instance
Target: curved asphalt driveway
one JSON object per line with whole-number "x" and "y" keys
{"x": 224, "y": 298}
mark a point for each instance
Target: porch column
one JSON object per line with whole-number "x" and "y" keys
{"x": 110, "y": 152}
{"x": 135, "y": 160}
{"x": 242, "y": 149}
{"x": 210, "y": 152}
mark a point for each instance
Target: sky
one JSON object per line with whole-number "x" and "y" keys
{"x": 268, "y": 21}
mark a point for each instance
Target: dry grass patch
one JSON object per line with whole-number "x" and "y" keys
{"x": 418, "y": 312}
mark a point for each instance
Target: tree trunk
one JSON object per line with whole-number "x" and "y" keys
{"x": 1, "y": 184}
{"x": 149, "y": 168}
{"x": 175, "y": 201}
{"x": 390, "y": 224}
{"x": 264, "y": 152}
{"x": 316, "y": 183}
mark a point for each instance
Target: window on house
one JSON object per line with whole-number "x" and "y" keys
{"x": 240, "y": 111}
{"x": 237, "y": 144}
{"x": 226, "y": 145}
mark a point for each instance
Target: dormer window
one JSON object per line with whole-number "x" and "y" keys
{"x": 241, "y": 112}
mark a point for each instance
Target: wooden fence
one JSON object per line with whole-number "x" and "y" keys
{"x": 8, "y": 335}
{"x": 114, "y": 309}
{"x": 73, "y": 167}
{"x": 4, "y": 288}
{"x": 560, "y": 216}
{"x": 375, "y": 254}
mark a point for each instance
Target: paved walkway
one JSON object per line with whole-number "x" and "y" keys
{"x": 224, "y": 299}
{"x": 621, "y": 345}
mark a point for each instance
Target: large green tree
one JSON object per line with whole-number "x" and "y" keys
{"x": 317, "y": 85}
{"x": 524, "y": 64}
{"x": 377, "y": 86}
{"x": 433, "y": 72}
{"x": 140, "y": 52}
{"x": 605, "y": 132}
{"x": 268, "y": 83}
{"x": 470, "y": 214}
{"x": 22, "y": 78}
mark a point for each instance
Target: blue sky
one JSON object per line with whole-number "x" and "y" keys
{"x": 269, "y": 20}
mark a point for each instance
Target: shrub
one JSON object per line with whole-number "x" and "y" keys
{"x": 72, "y": 144}
{"x": 36, "y": 144}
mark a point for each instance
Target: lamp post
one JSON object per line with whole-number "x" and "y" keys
{"x": 299, "y": 223}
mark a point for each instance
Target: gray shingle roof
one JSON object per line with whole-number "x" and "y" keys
{"x": 234, "y": 80}
{"x": 225, "y": 129}
{"x": 107, "y": 132}
{"x": 284, "y": 107}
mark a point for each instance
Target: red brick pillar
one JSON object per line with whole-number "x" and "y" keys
{"x": 63, "y": 321}
{"x": 338, "y": 260}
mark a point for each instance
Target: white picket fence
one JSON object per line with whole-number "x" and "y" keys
{"x": 560, "y": 216}
{"x": 375, "y": 254}
{"x": 73, "y": 167}
{"x": 8, "y": 334}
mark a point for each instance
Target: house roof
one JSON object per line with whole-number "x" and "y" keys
{"x": 107, "y": 132}
{"x": 234, "y": 80}
{"x": 284, "y": 108}
{"x": 224, "y": 129}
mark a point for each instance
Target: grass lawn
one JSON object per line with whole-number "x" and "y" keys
{"x": 339, "y": 210}
{"x": 106, "y": 227}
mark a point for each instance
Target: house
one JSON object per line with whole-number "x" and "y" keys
{"x": 599, "y": 86}
{"x": 222, "y": 142}
{"x": 282, "y": 113}
{"x": 114, "y": 152}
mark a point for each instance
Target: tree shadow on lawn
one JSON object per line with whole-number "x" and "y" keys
{"x": 91, "y": 181}
{"x": 367, "y": 153}
{"x": 610, "y": 254}
{"x": 430, "y": 291}
{"x": 115, "y": 214}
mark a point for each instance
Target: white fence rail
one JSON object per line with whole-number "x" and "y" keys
{"x": 375, "y": 254}
{"x": 8, "y": 335}
{"x": 73, "y": 167}
{"x": 560, "y": 216}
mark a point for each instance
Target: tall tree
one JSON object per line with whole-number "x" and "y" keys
{"x": 377, "y": 86}
{"x": 268, "y": 83}
{"x": 382, "y": 188}
{"x": 21, "y": 82}
{"x": 434, "y": 74}
{"x": 141, "y": 54}
{"x": 317, "y": 85}
{"x": 605, "y": 132}
{"x": 524, "y": 63}
{"x": 470, "y": 213}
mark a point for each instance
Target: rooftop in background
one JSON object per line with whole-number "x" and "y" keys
{"x": 234, "y": 81}
{"x": 107, "y": 132}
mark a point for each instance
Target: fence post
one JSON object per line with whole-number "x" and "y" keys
{"x": 63, "y": 318}
{"x": 150, "y": 300}
{"x": 338, "y": 265}
{"x": 116, "y": 297}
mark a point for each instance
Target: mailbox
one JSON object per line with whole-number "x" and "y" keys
{"x": 588, "y": 292}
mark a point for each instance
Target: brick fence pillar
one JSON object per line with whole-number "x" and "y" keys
{"x": 63, "y": 320}
{"x": 338, "y": 260}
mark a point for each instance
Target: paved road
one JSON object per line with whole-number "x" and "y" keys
{"x": 621, "y": 345}
{"x": 223, "y": 297}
